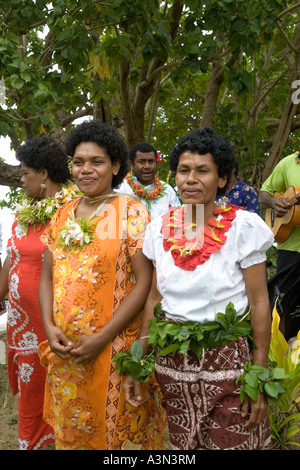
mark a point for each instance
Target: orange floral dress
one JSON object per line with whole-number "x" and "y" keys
{"x": 85, "y": 403}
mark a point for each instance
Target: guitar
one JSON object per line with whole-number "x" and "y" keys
{"x": 283, "y": 226}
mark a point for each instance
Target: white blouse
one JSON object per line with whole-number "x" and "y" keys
{"x": 199, "y": 294}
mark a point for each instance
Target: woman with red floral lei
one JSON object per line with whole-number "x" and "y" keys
{"x": 206, "y": 257}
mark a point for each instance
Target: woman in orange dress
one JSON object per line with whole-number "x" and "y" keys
{"x": 94, "y": 284}
{"x": 44, "y": 166}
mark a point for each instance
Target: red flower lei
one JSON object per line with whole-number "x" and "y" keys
{"x": 140, "y": 190}
{"x": 188, "y": 254}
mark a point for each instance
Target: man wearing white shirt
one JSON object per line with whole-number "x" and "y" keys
{"x": 142, "y": 181}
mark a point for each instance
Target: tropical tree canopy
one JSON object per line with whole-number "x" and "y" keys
{"x": 155, "y": 70}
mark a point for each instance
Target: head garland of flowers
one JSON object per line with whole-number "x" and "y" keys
{"x": 30, "y": 211}
{"x": 140, "y": 190}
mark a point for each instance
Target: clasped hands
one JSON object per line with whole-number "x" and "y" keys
{"x": 84, "y": 351}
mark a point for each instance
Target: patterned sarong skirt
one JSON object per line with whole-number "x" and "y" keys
{"x": 201, "y": 397}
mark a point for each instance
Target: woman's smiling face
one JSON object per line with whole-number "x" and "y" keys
{"x": 93, "y": 170}
{"x": 197, "y": 178}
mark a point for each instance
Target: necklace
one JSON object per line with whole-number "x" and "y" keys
{"x": 31, "y": 212}
{"x": 78, "y": 233}
{"x": 140, "y": 190}
{"x": 189, "y": 253}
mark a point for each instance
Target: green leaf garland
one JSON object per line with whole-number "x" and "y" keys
{"x": 138, "y": 366}
{"x": 257, "y": 377}
{"x": 172, "y": 336}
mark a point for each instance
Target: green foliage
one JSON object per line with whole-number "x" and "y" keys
{"x": 171, "y": 336}
{"x": 11, "y": 198}
{"x": 268, "y": 381}
{"x": 284, "y": 413}
{"x": 138, "y": 366}
{"x": 58, "y": 60}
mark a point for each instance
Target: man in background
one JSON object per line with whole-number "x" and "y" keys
{"x": 142, "y": 181}
{"x": 284, "y": 286}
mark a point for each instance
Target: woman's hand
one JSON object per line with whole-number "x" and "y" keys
{"x": 87, "y": 349}
{"x": 58, "y": 342}
{"x": 258, "y": 410}
{"x": 132, "y": 391}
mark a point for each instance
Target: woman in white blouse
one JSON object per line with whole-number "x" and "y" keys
{"x": 198, "y": 270}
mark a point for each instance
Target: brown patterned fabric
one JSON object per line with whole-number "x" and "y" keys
{"x": 202, "y": 401}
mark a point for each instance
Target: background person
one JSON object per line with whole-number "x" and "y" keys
{"x": 194, "y": 282}
{"x": 285, "y": 285}
{"x": 44, "y": 168}
{"x": 240, "y": 193}
{"x": 142, "y": 181}
{"x": 91, "y": 296}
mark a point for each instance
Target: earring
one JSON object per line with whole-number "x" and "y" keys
{"x": 42, "y": 190}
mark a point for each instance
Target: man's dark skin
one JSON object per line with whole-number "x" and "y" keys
{"x": 144, "y": 167}
{"x": 280, "y": 205}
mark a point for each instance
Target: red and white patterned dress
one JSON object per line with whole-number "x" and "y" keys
{"x": 25, "y": 331}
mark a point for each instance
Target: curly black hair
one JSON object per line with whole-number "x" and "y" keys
{"x": 44, "y": 153}
{"x": 105, "y": 136}
{"x": 143, "y": 147}
{"x": 203, "y": 141}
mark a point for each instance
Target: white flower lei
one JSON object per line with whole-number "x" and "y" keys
{"x": 31, "y": 212}
{"x": 76, "y": 234}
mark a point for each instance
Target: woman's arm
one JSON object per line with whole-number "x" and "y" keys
{"x": 153, "y": 299}
{"x": 132, "y": 387}
{"x": 257, "y": 292}
{"x": 88, "y": 348}
{"x": 4, "y": 278}
{"x": 58, "y": 341}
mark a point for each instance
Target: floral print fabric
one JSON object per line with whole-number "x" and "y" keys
{"x": 24, "y": 332}
{"x": 85, "y": 404}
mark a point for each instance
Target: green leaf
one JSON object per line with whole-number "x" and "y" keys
{"x": 157, "y": 310}
{"x": 251, "y": 379}
{"x": 271, "y": 389}
{"x": 134, "y": 369}
{"x": 17, "y": 82}
{"x": 184, "y": 347}
{"x": 169, "y": 349}
{"x": 278, "y": 373}
{"x": 251, "y": 392}
{"x": 264, "y": 375}
{"x": 136, "y": 350}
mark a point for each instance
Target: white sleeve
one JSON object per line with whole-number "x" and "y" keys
{"x": 173, "y": 198}
{"x": 151, "y": 239}
{"x": 253, "y": 238}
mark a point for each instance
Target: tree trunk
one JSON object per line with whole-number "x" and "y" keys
{"x": 10, "y": 174}
{"x": 212, "y": 94}
{"x": 286, "y": 121}
{"x": 280, "y": 138}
